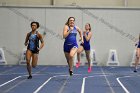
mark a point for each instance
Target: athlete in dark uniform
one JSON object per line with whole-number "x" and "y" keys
{"x": 70, "y": 45}
{"x": 137, "y": 54}
{"x": 85, "y": 46}
{"x": 32, "y": 43}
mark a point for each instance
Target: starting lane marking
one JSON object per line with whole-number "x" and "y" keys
{"x": 18, "y": 77}
{"x": 122, "y": 85}
{"x": 124, "y": 88}
{"x": 10, "y": 81}
{"x": 39, "y": 88}
{"x": 84, "y": 80}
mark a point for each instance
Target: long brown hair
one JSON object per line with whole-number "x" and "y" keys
{"x": 89, "y": 26}
{"x": 139, "y": 36}
{"x": 67, "y": 23}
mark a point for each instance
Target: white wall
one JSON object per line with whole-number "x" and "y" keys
{"x": 134, "y": 3}
{"x": 93, "y": 3}
{"x": 111, "y": 30}
{"x": 26, "y": 2}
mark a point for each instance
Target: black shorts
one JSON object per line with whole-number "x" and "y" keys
{"x": 36, "y": 51}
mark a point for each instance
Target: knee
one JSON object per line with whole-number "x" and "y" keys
{"x": 28, "y": 63}
{"x": 27, "y": 59}
{"x": 137, "y": 57}
{"x": 78, "y": 52}
{"x": 87, "y": 55}
{"x": 34, "y": 64}
{"x": 71, "y": 56}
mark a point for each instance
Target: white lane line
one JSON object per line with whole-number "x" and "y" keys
{"x": 19, "y": 83}
{"x": 124, "y": 88}
{"x": 14, "y": 86}
{"x": 112, "y": 91}
{"x": 39, "y": 88}
{"x": 84, "y": 80}
{"x": 14, "y": 78}
{"x": 83, "y": 85}
{"x": 10, "y": 81}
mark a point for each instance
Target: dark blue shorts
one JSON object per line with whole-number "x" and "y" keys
{"x": 35, "y": 51}
{"x": 68, "y": 47}
{"x": 85, "y": 46}
{"x": 138, "y": 46}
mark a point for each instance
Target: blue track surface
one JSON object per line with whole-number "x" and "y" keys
{"x": 56, "y": 79}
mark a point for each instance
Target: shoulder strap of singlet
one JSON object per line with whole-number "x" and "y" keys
{"x": 29, "y": 34}
{"x": 74, "y": 27}
{"x": 68, "y": 28}
{"x": 37, "y": 34}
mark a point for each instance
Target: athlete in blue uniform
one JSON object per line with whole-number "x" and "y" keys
{"x": 85, "y": 46}
{"x": 32, "y": 43}
{"x": 137, "y": 54}
{"x": 70, "y": 45}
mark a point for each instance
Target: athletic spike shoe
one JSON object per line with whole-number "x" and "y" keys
{"x": 89, "y": 69}
{"x": 77, "y": 64}
{"x": 135, "y": 70}
{"x": 70, "y": 72}
{"x": 29, "y": 77}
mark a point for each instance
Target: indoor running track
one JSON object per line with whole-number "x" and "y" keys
{"x": 56, "y": 79}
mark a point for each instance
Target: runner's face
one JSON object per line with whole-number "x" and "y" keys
{"x": 71, "y": 22}
{"x": 34, "y": 26}
{"x": 87, "y": 27}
